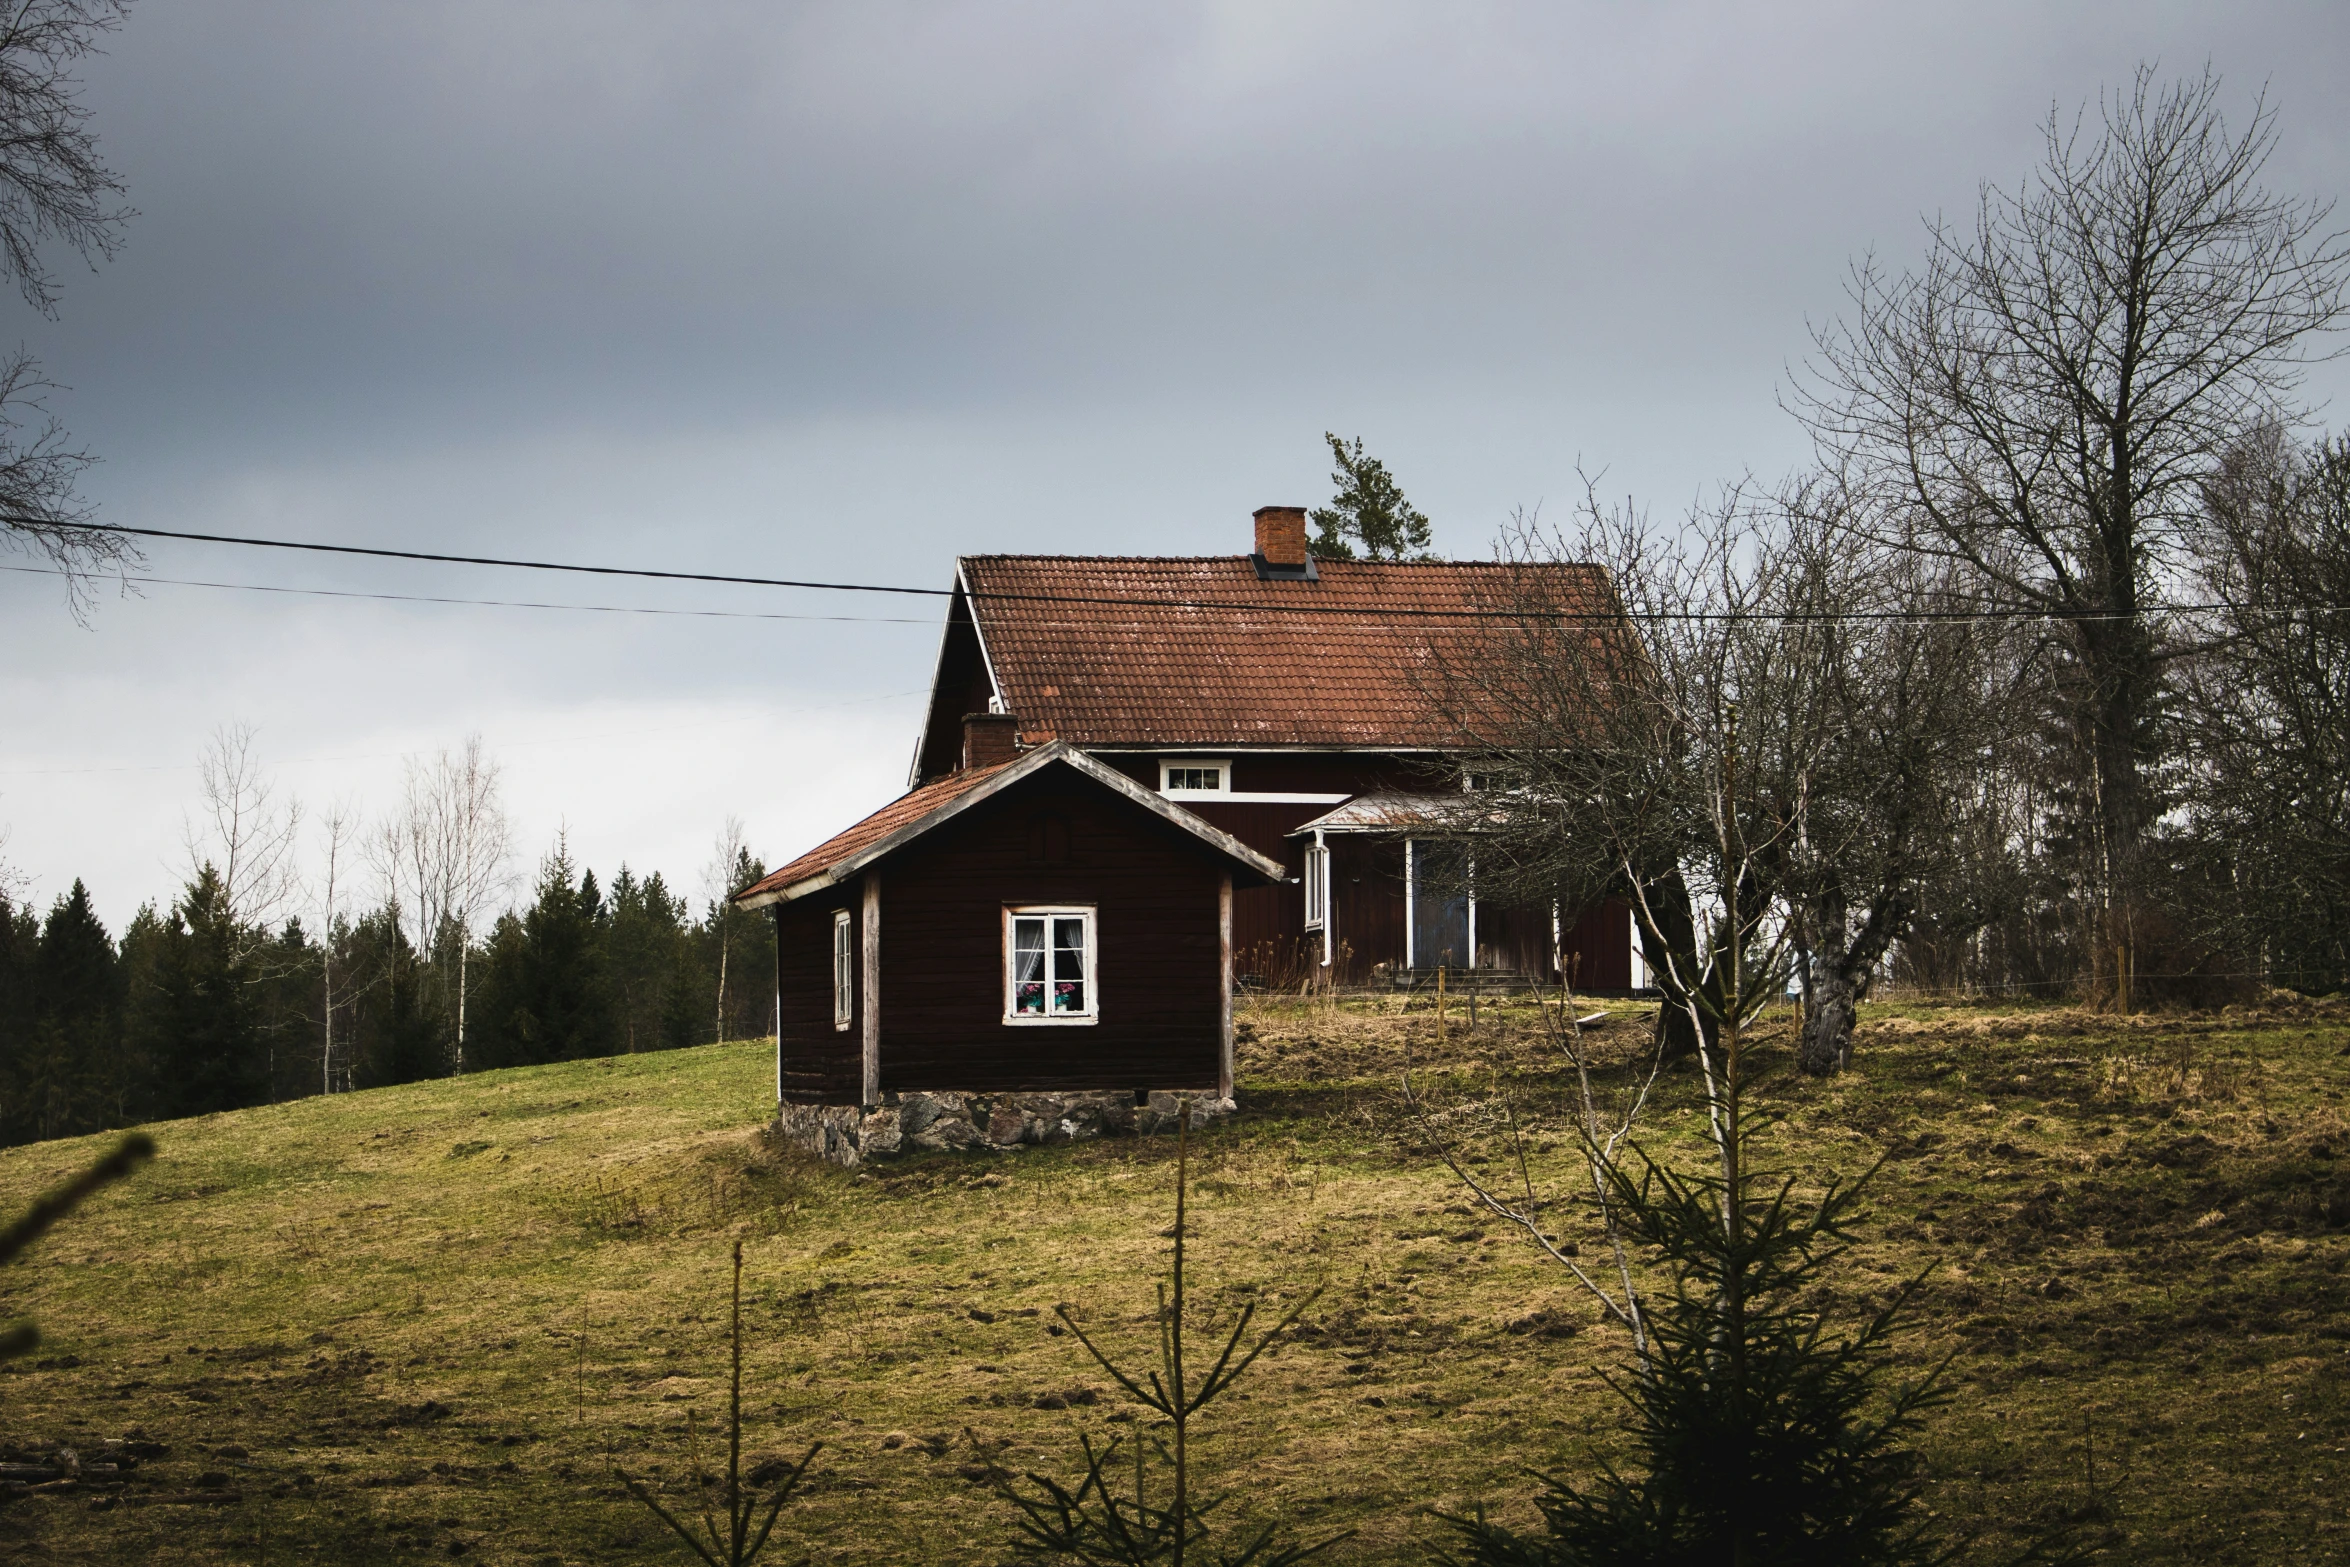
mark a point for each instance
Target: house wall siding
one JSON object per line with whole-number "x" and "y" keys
{"x": 1056, "y": 839}
{"x": 818, "y": 1063}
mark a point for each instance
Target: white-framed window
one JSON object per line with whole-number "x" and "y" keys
{"x": 1195, "y": 775}
{"x": 1048, "y": 965}
{"x": 844, "y": 968}
{"x": 1317, "y": 886}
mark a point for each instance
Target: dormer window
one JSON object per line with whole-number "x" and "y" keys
{"x": 1195, "y": 776}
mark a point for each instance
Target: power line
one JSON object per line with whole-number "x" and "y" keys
{"x": 423, "y": 598}
{"x": 484, "y": 560}
{"x": 1387, "y": 612}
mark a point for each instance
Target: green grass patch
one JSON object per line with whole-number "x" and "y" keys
{"x": 397, "y": 1321}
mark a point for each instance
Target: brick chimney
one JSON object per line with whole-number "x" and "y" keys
{"x": 1281, "y": 545}
{"x": 1281, "y": 536}
{"x": 989, "y": 738}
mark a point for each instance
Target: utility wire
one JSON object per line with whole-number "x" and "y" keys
{"x": 483, "y": 560}
{"x": 422, "y": 598}
{"x": 1384, "y": 612}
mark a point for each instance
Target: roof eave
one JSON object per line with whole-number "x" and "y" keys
{"x": 1034, "y": 762}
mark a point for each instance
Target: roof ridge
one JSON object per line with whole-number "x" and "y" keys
{"x": 1326, "y": 561}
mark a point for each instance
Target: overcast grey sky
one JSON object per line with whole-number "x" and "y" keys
{"x": 846, "y": 290}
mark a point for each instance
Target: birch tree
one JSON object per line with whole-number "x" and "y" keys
{"x": 247, "y": 830}
{"x": 444, "y": 852}
{"x": 718, "y": 878}
{"x": 342, "y": 830}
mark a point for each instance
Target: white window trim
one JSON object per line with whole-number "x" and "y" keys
{"x": 1093, "y": 991}
{"x": 1321, "y": 900}
{"x": 1223, "y": 766}
{"x": 844, "y": 977}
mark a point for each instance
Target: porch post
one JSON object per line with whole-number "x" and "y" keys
{"x": 1224, "y": 961}
{"x": 1411, "y": 958}
{"x": 871, "y": 925}
{"x": 775, "y": 922}
{"x": 1329, "y": 908}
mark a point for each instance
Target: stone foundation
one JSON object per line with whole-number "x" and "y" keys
{"x": 931, "y": 1123}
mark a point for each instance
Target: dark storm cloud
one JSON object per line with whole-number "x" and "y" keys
{"x": 848, "y": 289}
{"x": 538, "y": 214}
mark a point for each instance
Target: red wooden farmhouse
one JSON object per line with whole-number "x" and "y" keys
{"x": 1139, "y": 781}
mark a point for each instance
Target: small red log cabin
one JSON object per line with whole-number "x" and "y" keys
{"x": 1136, "y": 777}
{"x": 1030, "y": 923}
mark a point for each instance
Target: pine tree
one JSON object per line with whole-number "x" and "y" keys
{"x": 1369, "y": 513}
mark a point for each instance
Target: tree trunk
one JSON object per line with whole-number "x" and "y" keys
{"x": 1838, "y": 977}
{"x": 1669, "y": 946}
{"x": 2119, "y": 660}
{"x": 464, "y": 948}
{"x": 1826, "y": 1048}
{"x": 722, "y": 935}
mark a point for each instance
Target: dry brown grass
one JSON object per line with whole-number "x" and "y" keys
{"x": 433, "y": 1315}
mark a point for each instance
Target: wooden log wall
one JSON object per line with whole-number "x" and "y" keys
{"x": 1057, "y": 839}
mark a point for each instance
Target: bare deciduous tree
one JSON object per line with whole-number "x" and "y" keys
{"x": 53, "y": 188}
{"x": 444, "y": 857}
{"x": 248, "y": 833}
{"x": 1608, "y": 726}
{"x": 2269, "y": 711}
{"x": 2042, "y": 402}
{"x": 13, "y": 882}
{"x": 719, "y": 879}
{"x": 1789, "y": 733}
{"x": 342, "y": 831}
{"x": 1870, "y": 715}
{"x": 1453, "y": 1128}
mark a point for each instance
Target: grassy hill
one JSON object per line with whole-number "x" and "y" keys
{"x": 430, "y": 1318}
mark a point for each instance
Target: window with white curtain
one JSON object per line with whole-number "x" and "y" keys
{"x": 1049, "y": 965}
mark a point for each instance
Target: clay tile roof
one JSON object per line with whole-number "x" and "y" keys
{"x": 844, "y": 845}
{"x": 1213, "y": 656}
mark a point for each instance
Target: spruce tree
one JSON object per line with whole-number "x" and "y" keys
{"x": 75, "y": 1063}
{"x": 1763, "y": 1432}
{"x": 20, "y": 936}
{"x": 197, "y": 1022}
{"x": 397, "y": 1030}
{"x": 646, "y": 948}
{"x": 547, "y": 976}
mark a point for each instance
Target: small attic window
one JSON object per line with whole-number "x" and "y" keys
{"x": 1193, "y": 775}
